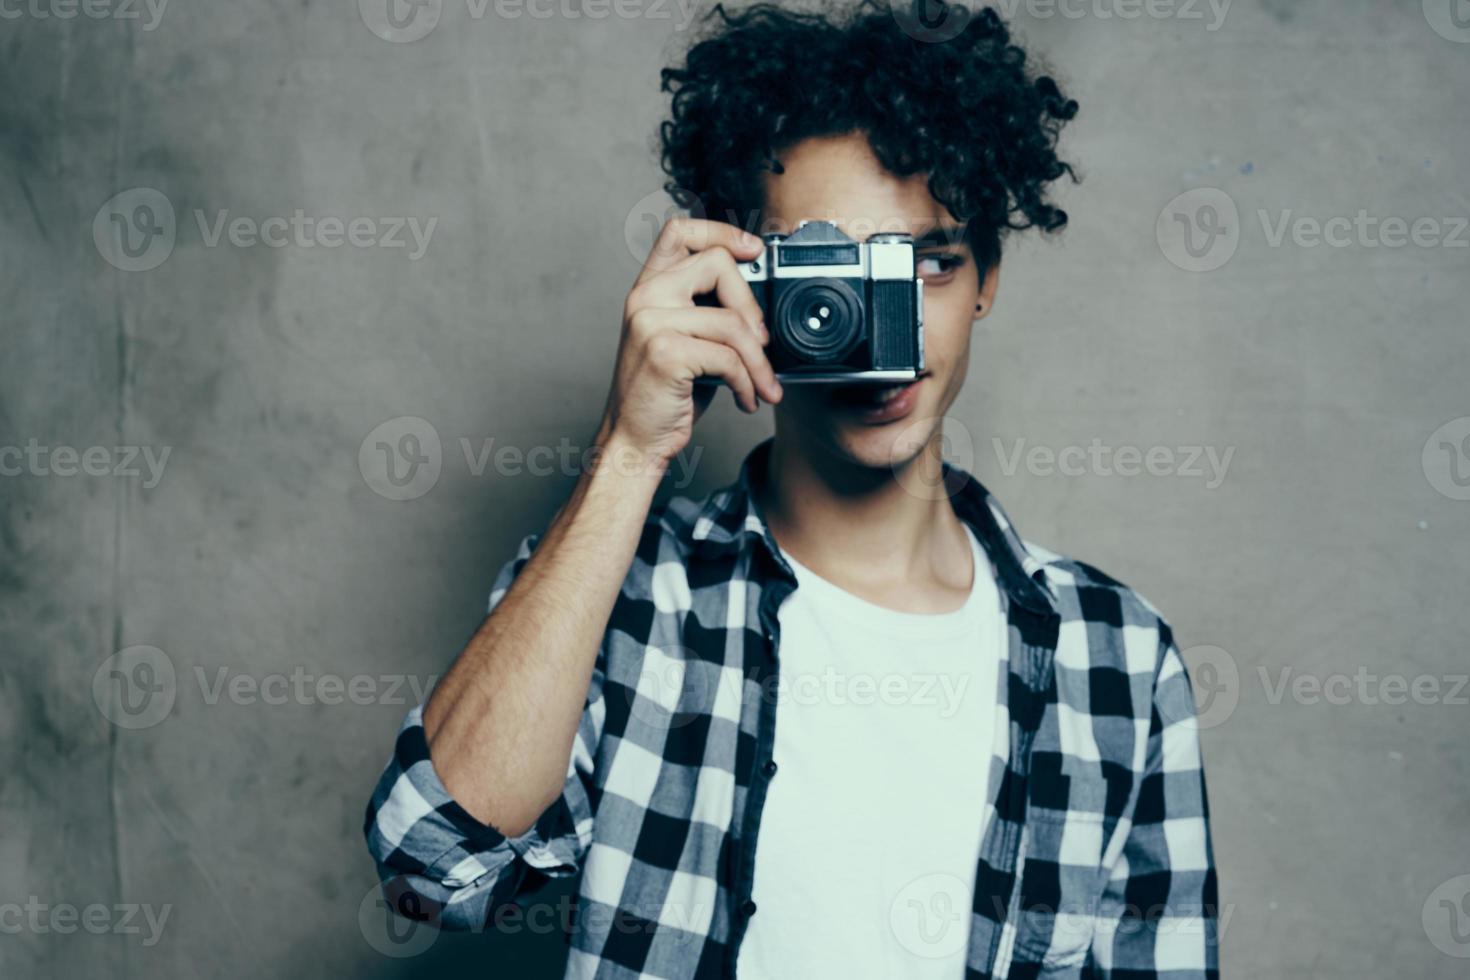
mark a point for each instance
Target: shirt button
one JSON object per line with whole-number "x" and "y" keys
{"x": 747, "y": 908}
{"x": 769, "y": 768}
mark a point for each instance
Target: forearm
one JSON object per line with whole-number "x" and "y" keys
{"x": 501, "y": 723}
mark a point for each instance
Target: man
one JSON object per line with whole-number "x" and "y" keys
{"x": 837, "y": 719}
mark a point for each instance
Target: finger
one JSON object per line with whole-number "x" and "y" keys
{"x": 681, "y": 237}
{"x": 687, "y": 358}
{"x": 710, "y": 273}
{"x": 715, "y": 272}
{"x": 729, "y": 328}
{"x": 721, "y": 326}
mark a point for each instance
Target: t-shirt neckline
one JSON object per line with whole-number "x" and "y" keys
{"x": 872, "y": 616}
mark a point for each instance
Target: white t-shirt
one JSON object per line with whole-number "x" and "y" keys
{"x": 885, "y": 728}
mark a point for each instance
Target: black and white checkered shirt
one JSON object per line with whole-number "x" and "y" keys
{"x": 1096, "y": 860}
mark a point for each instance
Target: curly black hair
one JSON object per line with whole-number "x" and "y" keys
{"x": 968, "y": 110}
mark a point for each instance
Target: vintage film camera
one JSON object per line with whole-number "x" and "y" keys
{"x": 840, "y": 310}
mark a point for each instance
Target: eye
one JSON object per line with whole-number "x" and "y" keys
{"x": 937, "y": 265}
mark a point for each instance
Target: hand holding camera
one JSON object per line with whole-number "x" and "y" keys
{"x": 839, "y": 311}
{"x": 669, "y": 339}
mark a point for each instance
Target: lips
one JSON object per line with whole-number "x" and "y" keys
{"x": 880, "y": 402}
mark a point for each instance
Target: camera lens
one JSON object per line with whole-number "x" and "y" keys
{"x": 819, "y": 320}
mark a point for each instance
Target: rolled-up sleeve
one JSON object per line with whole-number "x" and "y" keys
{"x": 1160, "y": 911}
{"x": 439, "y": 863}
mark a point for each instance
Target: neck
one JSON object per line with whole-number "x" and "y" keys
{"x": 882, "y": 527}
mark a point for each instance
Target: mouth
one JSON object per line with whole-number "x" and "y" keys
{"x": 876, "y": 404}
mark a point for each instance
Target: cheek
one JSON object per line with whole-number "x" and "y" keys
{"x": 948, "y": 322}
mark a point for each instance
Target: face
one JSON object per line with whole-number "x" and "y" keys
{"x": 838, "y": 179}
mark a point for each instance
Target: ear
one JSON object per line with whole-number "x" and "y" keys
{"x": 985, "y": 301}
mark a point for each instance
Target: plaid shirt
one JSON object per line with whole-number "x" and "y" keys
{"x": 1096, "y": 860}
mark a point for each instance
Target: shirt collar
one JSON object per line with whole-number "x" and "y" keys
{"x": 731, "y": 519}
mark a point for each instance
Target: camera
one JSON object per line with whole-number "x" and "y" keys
{"x": 838, "y": 309}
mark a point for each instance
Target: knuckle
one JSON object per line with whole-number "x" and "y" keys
{"x": 640, "y": 322}
{"x": 720, "y": 256}
{"x": 738, "y": 327}
{"x": 662, "y": 350}
{"x": 744, "y": 353}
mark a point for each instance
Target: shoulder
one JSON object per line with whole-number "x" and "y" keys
{"x": 1105, "y": 607}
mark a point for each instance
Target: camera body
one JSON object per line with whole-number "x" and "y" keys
{"x": 840, "y": 310}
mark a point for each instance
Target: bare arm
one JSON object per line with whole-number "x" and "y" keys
{"x": 501, "y": 723}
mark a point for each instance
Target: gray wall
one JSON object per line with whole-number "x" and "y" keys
{"x": 1335, "y": 546}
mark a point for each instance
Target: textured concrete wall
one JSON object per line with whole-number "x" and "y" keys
{"x": 164, "y": 745}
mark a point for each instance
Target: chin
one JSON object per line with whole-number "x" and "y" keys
{"x": 873, "y": 426}
{"x": 881, "y": 429}
{"x": 885, "y": 449}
